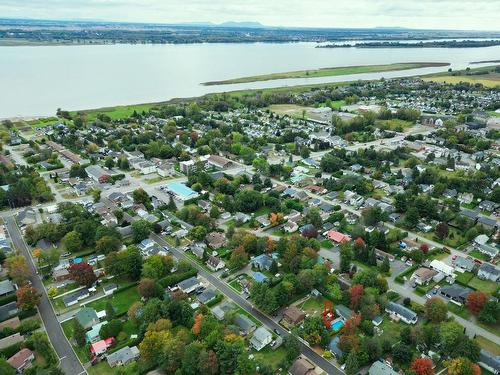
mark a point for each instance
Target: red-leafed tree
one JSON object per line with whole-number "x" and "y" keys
{"x": 356, "y": 292}
{"x": 359, "y": 242}
{"x": 422, "y": 366}
{"x": 197, "y": 322}
{"x": 475, "y": 301}
{"x": 351, "y": 324}
{"x": 310, "y": 232}
{"x": 424, "y": 248}
{"x": 82, "y": 273}
{"x": 27, "y": 297}
{"x": 442, "y": 230}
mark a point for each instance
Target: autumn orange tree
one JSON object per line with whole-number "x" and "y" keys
{"x": 475, "y": 301}
{"x": 356, "y": 292}
{"x": 197, "y": 322}
{"x": 17, "y": 268}
{"x": 422, "y": 366}
{"x": 27, "y": 297}
{"x": 462, "y": 366}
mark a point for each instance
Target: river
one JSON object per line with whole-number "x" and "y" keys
{"x": 35, "y": 81}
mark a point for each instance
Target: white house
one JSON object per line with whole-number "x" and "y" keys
{"x": 442, "y": 267}
{"x": 261, "y": 338}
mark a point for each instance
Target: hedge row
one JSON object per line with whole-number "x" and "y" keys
{"x": 8, "y": 299}
{"x": 9, "y": 351}
{"x": 177, "y": 277}
{"x": 215, "y": 301}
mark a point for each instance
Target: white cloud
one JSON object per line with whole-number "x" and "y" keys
{"x": 463, "y": 14}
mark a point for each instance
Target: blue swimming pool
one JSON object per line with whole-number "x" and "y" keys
{"x": 337, "y": 325}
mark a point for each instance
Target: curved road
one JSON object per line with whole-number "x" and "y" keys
{"x": 69, "y": 362}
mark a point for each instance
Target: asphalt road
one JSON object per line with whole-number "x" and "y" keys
{"x": 243, "y": 303}
{"x": 69, "y": 362}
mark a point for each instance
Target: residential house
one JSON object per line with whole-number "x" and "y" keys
{"x": 487, "y": 222}
{"x": 334, "y": 347}
{"x": 100, "y": 347}
{"x": 463, "y": 264}
{"x": 343, "y": 312}
{"x": 487, "y": 205}
{"x": 221, "y": 309}
{"x": 21, "y": 360}
{"x": 219, "y": 162}
{"x": 11, "y": 323}
{"x": 261, "y": 338}
{"x": 489, "y": 361}
{"x": 123, "y": 356}
{"x": 488, "y": 271}
{"x": 109, "y": 289}
{"x": 165, "y": 169}
{"x": 423, "y": 275}
{"x": 189, "y": 285}
{"x": 74, "y": 298}
{"x": 216, "y": 240}
{"x": 290, "y": 227}
{"x": 442, "y": 267}
{"x": 215, "y": 263}
{"x": 93, "y": 334}
{"x": 456, "y": 293}
{"x": 198, "y": 249}
{"x": 399, "y": 312}
{"x": 337, "y": 236}
{"x": 26, "y": 217}
{"x": 241, "y": 217}
{"x": 87, "y": 317}
{"x": 488, "y": 250}
{"x": 16, "y": 338}
{"x": 146, "y": 167}
{"x": 302, "y": 366}
{"x": 381, "y": 368}
{"x": 259, "y": 277}
{"x": 206, "y": 296}
{"x": 263, "y": 221}
{"x": 60, "y": 275}
{"x": 293, "y": 315}
{"x": 8, "y": 310}
{"x": 187, "y": 166}
{"x": 97, "y": 173}
{"x": 6, "y": 287}
{"x": 262, "y": 262}
{"x": 245, "y": 325}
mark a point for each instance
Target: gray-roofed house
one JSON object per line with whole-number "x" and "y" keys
{"x": 189, "y": 285}
{"x": 489, "y": 361}
{"x": 6, "y": 287}
{"x": 123, "y": 356}
{"x": 488, "y": 271}
{"x": 262, "y": 262}
{"x": 488, "y": 250}
{"x": 334, "y": 347}
{"x": 206, "y": 296}
{"x": 26, "y": 217}
{"x": 381, "y": 368}
{"x": 221, "y": 309}
{"x": 398, "y": 311}
{"x": 244, "y": 323}
{"x": 261, "y": 338}
{"x": 455, "y": 292}
{"x": 487, "y": 222}
{"x": 8, "y": 311}
{"x": 466, "y": 264}
{"x": 488, "y": 205}
{"x": 73, "y": 298}
{"x": 343, "y": 311}
{"x": 198, "y": 249}
{"x": 87, "y": 317}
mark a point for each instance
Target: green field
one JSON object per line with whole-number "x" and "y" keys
{"x": 489, "y": 78}
{"x": 394, "y": 125}
{"x": 271, "y": 357}
{"x": 327, "y": 72}
{"x": 121, "y": 301}
{"x": 485, "y": 286}
{"x": 117, "y": 112}
{"x": 461, "y": 311}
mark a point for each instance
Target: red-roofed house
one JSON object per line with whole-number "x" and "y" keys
{"x": 100, "y": 347}
{"x": 21, "y": 360}
{"x": 337, "y": 236}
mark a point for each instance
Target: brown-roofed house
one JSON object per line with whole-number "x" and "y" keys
{"x": 423, "y": 275}
{"x": 21, "y": 360}
{"x": 301, "y": 366}
{"x": 293, "y": 315}
{"x": 216, "y": 240}
{"x": 11, "y": 323}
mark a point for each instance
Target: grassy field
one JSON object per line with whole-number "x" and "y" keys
{"x": 327, "y": 72}
{"x": 461, "y": 311}
{"x": 490, "y": 78}
{"x": 394, "y": 125}
{"x": 235, "y": 284}
{"x": 485, "y": 286}
{"x": 121, "y": 301}
{"x": 488, "y": 345}
{"x": 118, "y": 111}
{"x": 271, "y": 357}
{"x": 313, "y": 306}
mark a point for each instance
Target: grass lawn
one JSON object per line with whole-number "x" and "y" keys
{"x": 313, "y": 306}
{"x": 235, "y": 284}
{"x": 394, "y": 124}
{"x": 270, "y": 357}
{"x": 118, "y": 111}
{"x": 262, "y": 211}
{"x": 485, "y": 286}
{"x": 337, "y": 104}
{"x": 326, "y": 72}
{"x": 327, "y": 244}
{"x": 488, "y": 80}
{"x": 477, "y": 254}
{"x": 461, "y": 311}
{"x": 102, "y": 368}
{"x": 465, "y": 277}
{"x": 488, "y": 345}
{"x": 121, "y": 301}
{"x": 391, "y": 330}
{"x": 81, "y": 352}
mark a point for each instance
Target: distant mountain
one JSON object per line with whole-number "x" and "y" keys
{"x": 254, "y": 25}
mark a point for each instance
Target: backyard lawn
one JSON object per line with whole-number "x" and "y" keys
{"x": 485, "y": 286}
{"x": 121, "y": 301}
{"x": 313, "y": 306}
{"x": 81, "y": 351}
{"x": 391, "y": 330}
{"x": 477, "y": 254}
{"x": 235, "y": 284}
{"x": 327, "y": 244}
{"x": 101, "y": 368}
{"x": 464, "y": 278}
{"x": 271, "y": 357}
{"x": 461, "y": 311}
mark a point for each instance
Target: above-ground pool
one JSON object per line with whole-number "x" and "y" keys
{"x": 337, "y": 325}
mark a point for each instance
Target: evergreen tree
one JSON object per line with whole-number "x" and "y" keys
{"x": 78, "y": 333}
{"x": 385, "y": 267}
{"x": 110, "y": 310}
{"x": 351, "y": 364}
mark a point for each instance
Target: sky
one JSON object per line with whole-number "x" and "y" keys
{"x": 434, "y": 14}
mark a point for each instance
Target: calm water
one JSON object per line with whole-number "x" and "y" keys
{"x": 38, "y": 80}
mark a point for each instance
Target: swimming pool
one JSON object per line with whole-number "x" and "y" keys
{"x": 337, "y": 325}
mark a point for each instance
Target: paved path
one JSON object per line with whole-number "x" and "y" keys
{"x": 69, "y": 362}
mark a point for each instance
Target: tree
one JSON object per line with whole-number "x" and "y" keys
{"x": 141, "y": 196}
{"x": 345, "y": 259}
{"x": 110, "y": 310}
{"x": 78, "y": 333}
{"x": 82, "y": 273}
{"x": 412, "y": 217}
{"x": 72, "y": 241}
{"x": 402, "y": 353}
{"x": 490, "y": 313}
{"x": 451, "y": 333}
{"x": 475, "y": 301}
{"x": 157, "y": 266}
{"x": 442, "y": 230}
{"x": 351, "y": 363}
{"x": 27, "y": 297}
{"x": 356, "y": 292}
{"x": 422, "y": 366}
{"x": 385, "y": 267}
{"x": 436, "y": 310}
{"x": 148, "y": 288}
{"x": 462, "y": 366}
{"x": 238, "y": 259}
{"x": 141, "y": 230}
{"x": 292, "y": 348}
{"x": 111, "y": 329}
{"x": 108, "y": 244}
{"x": 17, "y": 268}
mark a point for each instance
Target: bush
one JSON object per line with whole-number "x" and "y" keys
{"x": 7, "y": 299}
{"x": 27, "y": 313}
{"x": 29, "y": 325}
{"x": 215, "y": 301}
{"x": 177, "y": 277}
{"x": 10, "y": 350}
